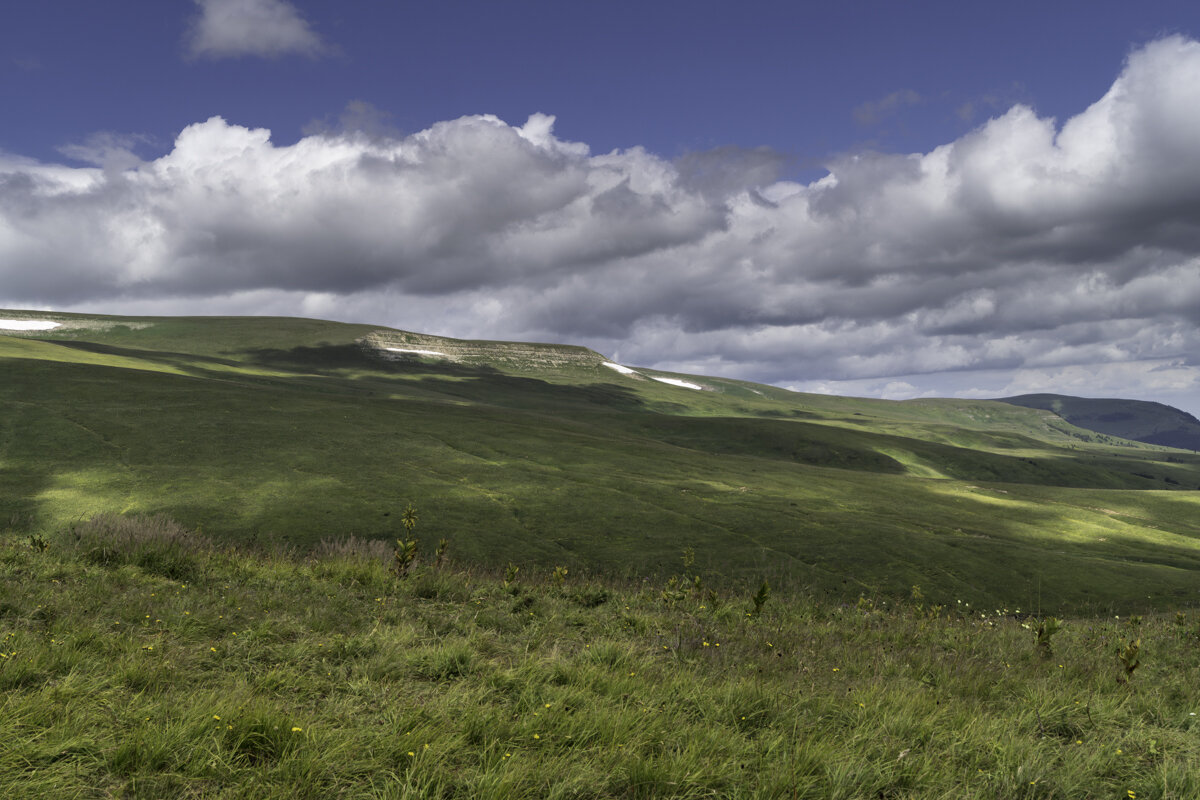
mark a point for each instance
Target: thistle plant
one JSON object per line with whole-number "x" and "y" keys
{"x": 1130, "y": 658}
{"x": 689, "y": 557}
{"x": 673, "y": 592}
{"x": 409, "y": 519}
{"x": 1045, "y": 632}
{"x": 510, "y": 574}
{"x": 560, "y": 576}
{"x": 439, "y": 555}
{"x": 714, "y": 599}
{"x": 918, "y": 598}
{"x": 404, "y": 558}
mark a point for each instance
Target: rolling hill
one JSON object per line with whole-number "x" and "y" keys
{"x": 1138, "y": 420}
{"x": 282, "y": 432}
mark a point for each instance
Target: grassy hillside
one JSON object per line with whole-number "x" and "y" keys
{"x": 138, "y": 661}
{"x": 287, "y": 432}
{"x": 1139, "y": 420}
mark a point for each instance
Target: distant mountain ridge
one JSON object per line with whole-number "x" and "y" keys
{"x": 1139, "y": 420}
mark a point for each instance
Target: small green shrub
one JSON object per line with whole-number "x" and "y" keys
{"x": 1045, "y": 632}
{"x": 760, "y": 598}
{"x": 590, "y": 596}
{"x": 714, "y": 600}
{"x": 404, "y": 556}
{"x": 673, "y": 592}
{"x": 1130, "y": 658}
{"x": 510, "y": 577}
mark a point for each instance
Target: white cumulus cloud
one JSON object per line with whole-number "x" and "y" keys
{"x": 1026, "y": 244}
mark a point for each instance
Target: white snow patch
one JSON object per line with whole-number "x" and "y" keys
{"x": 416, "y": 352}
{"x": 28, "y": 324}
{"x": 676, "y": 382}
{"x": 620, "y": 369}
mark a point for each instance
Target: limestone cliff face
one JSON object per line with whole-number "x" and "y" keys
{"x": 510, "y": 355}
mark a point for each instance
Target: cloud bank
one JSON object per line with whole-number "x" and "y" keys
{"x": 232, "y": 28}
{"x": 1026, "y": 247}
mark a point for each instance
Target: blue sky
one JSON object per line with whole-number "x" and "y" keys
{"x": 671, "y": 77}
{"x": 872, "y": 198}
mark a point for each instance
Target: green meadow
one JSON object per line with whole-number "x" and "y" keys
{"x": 283, "y": 432}
{"x": 605, "y": 585}
{"x": 138, "y": 660}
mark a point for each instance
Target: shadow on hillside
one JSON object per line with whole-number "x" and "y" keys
{"x": 29, "y": 467}
{"x": 869, "y": 451}
{"x": 1112, "y": 471}
{"x": 210, "y": 455}
{"x": 351, "y": 369}
{"x": 321, "y": 359}
{"x": 19, "y": 490}
{"x": 1029, "y": 555}
{"x": 953, "y": 547}
{"x": 780, "y": 414}
{"x": 453, "y": 380}
{"x": 325, "y": 368}
{"x": 184, "y": 362}
{"x": 1035, "y": 549}
{"x": 779, "y": 440}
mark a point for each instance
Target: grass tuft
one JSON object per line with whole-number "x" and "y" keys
{"x": 156, "y": 543}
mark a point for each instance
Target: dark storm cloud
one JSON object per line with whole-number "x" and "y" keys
{"x": 1025, "y": 244}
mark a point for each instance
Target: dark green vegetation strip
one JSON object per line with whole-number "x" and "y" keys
{"x": 284, "y": 432}
{"x": 278, "y": 677}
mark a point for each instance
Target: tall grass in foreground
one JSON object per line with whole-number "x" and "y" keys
{"x": 327, "y": 676}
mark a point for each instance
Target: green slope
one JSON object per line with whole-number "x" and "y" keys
{"x": 1138, "y": 420}
{"x": 287, "y": 431}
